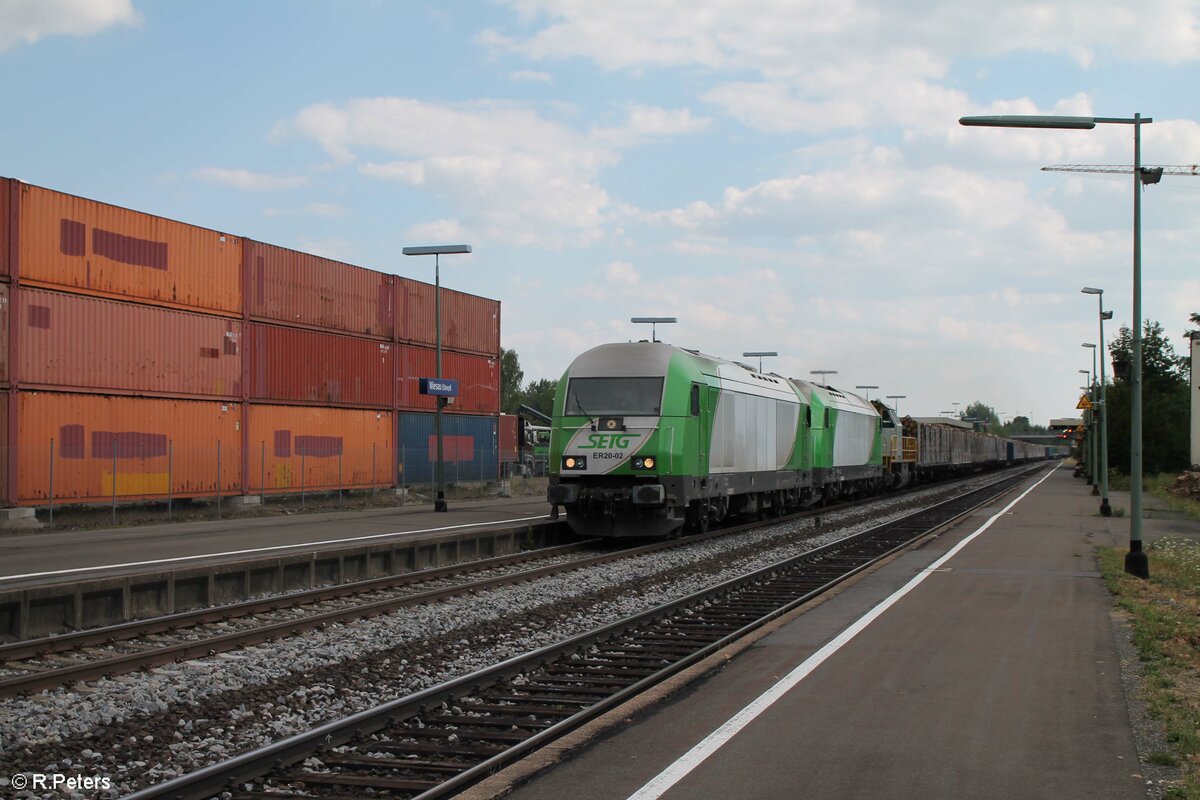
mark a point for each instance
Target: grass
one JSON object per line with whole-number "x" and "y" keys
{"x": 1165, "y": 616}
{"x": 1160, "y": 486}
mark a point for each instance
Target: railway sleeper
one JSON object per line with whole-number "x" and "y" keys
{"x": 369, "y": 781}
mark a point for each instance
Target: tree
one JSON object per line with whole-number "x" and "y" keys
{"x": 982, "y": 412}
{"x": 540, "y": 395}
{"x": 511, "y": 376}
{"x": 1164, "y": 403}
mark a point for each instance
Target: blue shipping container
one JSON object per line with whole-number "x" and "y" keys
{"x": 468, "y": 448}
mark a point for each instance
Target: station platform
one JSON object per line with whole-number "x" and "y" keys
{"x": 56, "y": 556}
{"x": 983, "y": 663}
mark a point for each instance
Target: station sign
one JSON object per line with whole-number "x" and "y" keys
{"x": 440, "y": 387}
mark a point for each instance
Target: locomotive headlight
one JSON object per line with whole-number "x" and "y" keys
{"x": 574, "y": 462}
{"x": 649, "y": 462}
{"x": 643, "y": 462}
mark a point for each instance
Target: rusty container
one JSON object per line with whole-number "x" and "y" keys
{"x": 7, "y": 226}
{"x": 93, "y": 447}
{"x": 309, "y": 291}
{"x": 303, "y": 366}
{"x": 306, "y": 448}
{"x": 85, "y": 246}
{"x": 70, "y": 342}
{"x": 478, "y": 380}
{"x": 470, "y": 324}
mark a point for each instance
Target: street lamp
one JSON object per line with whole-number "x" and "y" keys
{"x": 1097, "y": 416}
{"x": 653, "y": 321}
{"x": 956, "y": 405}
{"x": 1136, "y": 562}
{"x": 439, "y": 504}
{"x": 761, "y": 354}
{"x": 868, "y": 387}
{"x": 1105, "y": 508}
{"x": 897, "y": 397}
{"x": 821, "y": 373}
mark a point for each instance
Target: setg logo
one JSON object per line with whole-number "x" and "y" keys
{"x": 609, "y": 441}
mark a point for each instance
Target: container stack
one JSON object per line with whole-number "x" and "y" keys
{"x": 148, "y": 359}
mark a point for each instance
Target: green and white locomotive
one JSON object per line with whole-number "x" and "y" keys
{"x": 648, "y": 438}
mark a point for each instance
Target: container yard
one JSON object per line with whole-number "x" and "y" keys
{"x": 150, "y": 359}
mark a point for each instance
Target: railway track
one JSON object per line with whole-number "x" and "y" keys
{"x": 438, "y": 741}
{"x": 100, "y": 652}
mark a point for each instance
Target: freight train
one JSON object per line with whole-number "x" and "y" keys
{"x": 649, "y": 439}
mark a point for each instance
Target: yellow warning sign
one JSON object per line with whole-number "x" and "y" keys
{"x": 1084, "y": 404}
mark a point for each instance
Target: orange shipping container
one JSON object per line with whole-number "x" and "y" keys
{"x": 478, "y": 380}
{"x": 141, "y": 448}
{"x": 96, "y": 248}
{"x": 4, "y": 487}
{"x": 470, "y": 324}
{"x": 319, "y": 449}
{"x": 306, "y": 290}
{"x": 75, "y": 342}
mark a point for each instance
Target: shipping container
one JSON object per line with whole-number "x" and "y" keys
{"x": 470, "y": 324}
{"x": 4, "y": 453}
{"x": 75, "y": 342}
{"x": 478, "y": 380}
{"x": 95, "y": 248}
{"x": 5, "y": 331}
{"x": 88, "y": 447}
{"x": 7, "y": 226}
{"x": 309, "y": 291}
{"x": 509, "y": 451}
{"x": 304, "y": 366}
{"x": 301, "y": 448}
{"x": 469, "y": 448}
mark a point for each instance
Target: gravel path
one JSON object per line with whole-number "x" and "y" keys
{"x": 143, "y": 728}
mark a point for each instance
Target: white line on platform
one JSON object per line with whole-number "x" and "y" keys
{"x": 6, "y": 578}
{"x": 676, "y": 772}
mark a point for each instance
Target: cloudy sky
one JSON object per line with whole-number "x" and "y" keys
{"x": 780, "y": 175}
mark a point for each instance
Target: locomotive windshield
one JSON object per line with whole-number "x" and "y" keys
{"x": 628, "y": 397}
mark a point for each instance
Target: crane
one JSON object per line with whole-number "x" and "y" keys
{"x": 1149, "y": 174}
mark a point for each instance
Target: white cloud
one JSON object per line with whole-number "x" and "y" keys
{"x": 531, "y": 76}
{"x": 438, "y": 230}
{"x": 249, "y": 181}
{"x": 518, "y": 175}
{"x": 27, "y": 21}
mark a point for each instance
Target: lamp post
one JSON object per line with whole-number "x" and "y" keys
{"x": 1136, "y": 562}
{"x": 653, "y": 322}
{"x": 1097, "y": 416}
{"x": 868, "y": 388}
{"x": 897, "y": 397}
{"x": 761, "y": 355}
{"x": 821, "y": 373}
{"x": 439, "y": 504}
{"x": 1105, "y": 508}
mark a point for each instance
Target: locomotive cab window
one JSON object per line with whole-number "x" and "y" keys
{"x": 617, "y": 397}
{"x": 695, "y": 407}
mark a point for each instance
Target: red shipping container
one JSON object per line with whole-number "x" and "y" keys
{"x": 5, "y": 310}
{"x": 306, "y": 290}
{"x": 94, "y": 248}
{"x": 470, "y": 324}
{"x": 478, "y": 380}
{"x": 304, "y": 366}
{"x": 508, "y": 438}
{"x": 7, "y": 225}
{"x": 158, "y": 446}
{"x": 75, "y": 342}
{"x": 319, "y": 449}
